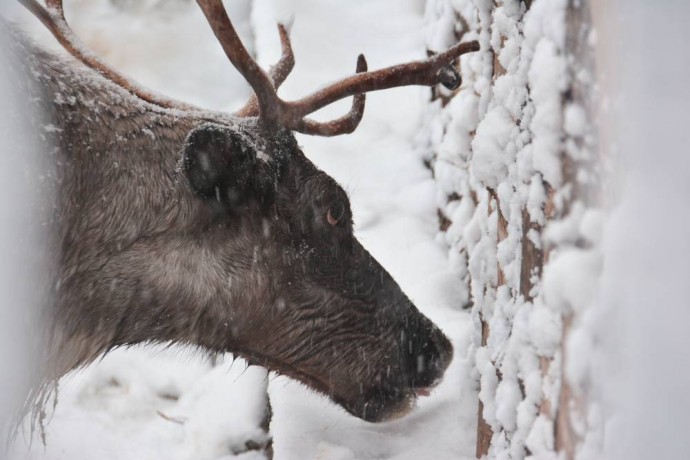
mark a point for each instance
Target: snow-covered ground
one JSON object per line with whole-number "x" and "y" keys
{"x": 149, "y": 403}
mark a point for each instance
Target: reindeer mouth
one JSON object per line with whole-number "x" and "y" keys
{"x": 424, "y": 392}
{"x": 379, "y": 405}
{"x": 387, "y": 410}
{"x": 374, "y": 397}
{"x": 427, "y": 390}
{"x": 398, "y": 410}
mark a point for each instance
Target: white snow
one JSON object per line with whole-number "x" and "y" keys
{"x": 500, "y": 161}
{"x": 492, "y": 153}
{"x": 571, "y": 278}
{"x": 545, "y": 326}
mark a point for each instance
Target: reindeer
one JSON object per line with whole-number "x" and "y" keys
{"x": 176, "y": 224}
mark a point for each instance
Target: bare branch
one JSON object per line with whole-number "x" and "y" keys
{"x": 53, "y": 18}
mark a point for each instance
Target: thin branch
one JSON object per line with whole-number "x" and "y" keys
{"x": 164, "y": 416}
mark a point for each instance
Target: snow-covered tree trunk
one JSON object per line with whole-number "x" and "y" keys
{"x": 513, "y": 156}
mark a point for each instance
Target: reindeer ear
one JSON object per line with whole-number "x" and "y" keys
{"x": 219, "y": 164}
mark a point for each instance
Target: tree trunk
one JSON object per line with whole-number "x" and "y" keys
{"x": 524, "y": 162}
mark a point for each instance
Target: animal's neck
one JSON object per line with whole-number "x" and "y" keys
{"x": 131, "y": 266}
{"x": 117, "y": 188}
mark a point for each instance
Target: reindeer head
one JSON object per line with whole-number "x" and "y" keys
{"x": 309, "y": 302}
{"x": 287, "y": 284}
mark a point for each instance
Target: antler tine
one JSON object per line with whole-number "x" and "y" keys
{"x": 345, "y": 124}
{"x": 276, "y": 112}
{"x": 238, "y": 55}
{"x": 56, "y": 5}
{"x": 53, "y": 17}
{"x": 437, "y": 69}
{"x": 278, "y": 73}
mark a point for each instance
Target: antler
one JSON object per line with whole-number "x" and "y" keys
{"x": 53, "y": 17}
{"x": 265, "y": 103}
{"x": 277, "y": 112}
{"x": 278, "y": 73}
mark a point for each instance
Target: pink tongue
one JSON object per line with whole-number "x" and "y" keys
{"x": 423, "y": 392}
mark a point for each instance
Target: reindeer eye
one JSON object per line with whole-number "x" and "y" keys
{"x": 335, "y": 213}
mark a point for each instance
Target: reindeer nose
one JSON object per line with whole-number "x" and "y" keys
{"x": 429, "y": 356}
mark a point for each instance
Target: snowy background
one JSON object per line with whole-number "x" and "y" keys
{"x": 538, "y": 149}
